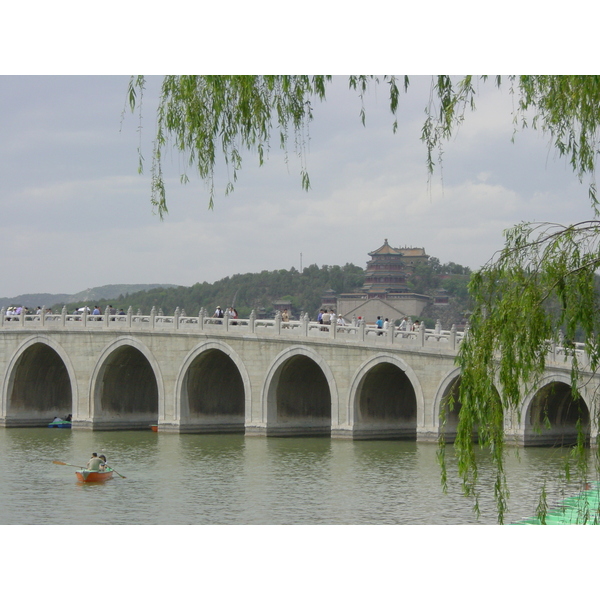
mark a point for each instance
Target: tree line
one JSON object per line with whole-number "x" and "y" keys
{"x": 260, "y": 291}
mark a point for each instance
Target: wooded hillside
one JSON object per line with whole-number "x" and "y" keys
{"x": 304, "y": 290}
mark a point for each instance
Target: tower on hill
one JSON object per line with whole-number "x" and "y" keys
{"x": 385, "y": 292}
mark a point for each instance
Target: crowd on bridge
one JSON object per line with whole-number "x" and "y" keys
{"x": 14, "y": 312}
{"x": 327, "y": 317}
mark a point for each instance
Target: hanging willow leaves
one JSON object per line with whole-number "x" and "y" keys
{"x": 211, "y": 117}
{"x": 208, "y": 118}
{"x": 539, "y": 289}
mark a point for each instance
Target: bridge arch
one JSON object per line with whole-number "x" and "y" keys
{"x": 386, "y": 400}
{"x": 549, "y": 415}
{"x": 299, "y": 395}
{"x": 39, "y": 384}
{"x": 126, "y": 387}
{"x": 212, "y": 390}
{"x": 449, "y": 387}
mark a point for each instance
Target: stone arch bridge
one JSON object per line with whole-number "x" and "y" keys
{"x": 260, "y": 377}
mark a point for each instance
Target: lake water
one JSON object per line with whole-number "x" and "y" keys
{"x": 231, "y": 479}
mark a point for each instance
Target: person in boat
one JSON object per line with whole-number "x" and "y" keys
{"x": 103, "y": 465}
{"x": 94, "y": 463}
{"x": 68, "y": 417}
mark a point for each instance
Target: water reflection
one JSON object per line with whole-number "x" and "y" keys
{"x": 231, "y": 479}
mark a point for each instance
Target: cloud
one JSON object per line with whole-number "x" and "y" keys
{"x": 76, "y": 214}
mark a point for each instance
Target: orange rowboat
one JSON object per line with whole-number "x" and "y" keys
{"x": 86, "y": 476}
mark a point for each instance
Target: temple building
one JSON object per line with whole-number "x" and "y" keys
{"x": 385, "y": 292}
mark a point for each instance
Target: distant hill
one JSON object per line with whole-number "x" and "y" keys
{"x": 260, "y": 291}
{"x": 245, "y": 291}
{"x": 89, "y": 295}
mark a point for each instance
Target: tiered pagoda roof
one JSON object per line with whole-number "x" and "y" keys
{"x": 389, "y": 268}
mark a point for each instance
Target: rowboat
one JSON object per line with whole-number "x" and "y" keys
{"x": 86, "y": 476}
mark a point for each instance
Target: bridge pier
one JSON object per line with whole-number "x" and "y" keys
{"x": 198, "y": 426}
{"x": 134, "y": 422}
{"x": 25, "y": 420}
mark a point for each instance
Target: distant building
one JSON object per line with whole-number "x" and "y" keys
{"x": 329, "y": 300}
{"x": 281, "y": 305}
{"x": 385, "y": 292}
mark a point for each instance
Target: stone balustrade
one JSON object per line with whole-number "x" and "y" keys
{"x": 357, "y": 332}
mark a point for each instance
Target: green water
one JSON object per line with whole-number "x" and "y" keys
{"x": 232, "y": 479}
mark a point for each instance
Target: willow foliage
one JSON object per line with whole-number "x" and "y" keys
{"x": 539, "y": 290}
{"x": 216, "y": 116}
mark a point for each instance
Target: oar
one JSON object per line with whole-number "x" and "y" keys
{"x": 60, "y": 462}
{"x": 119, "y": 474}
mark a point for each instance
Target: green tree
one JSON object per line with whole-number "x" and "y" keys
{"x": 516, "y": 294}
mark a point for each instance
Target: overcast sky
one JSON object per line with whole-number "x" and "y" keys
{"x": 76, "y": 213}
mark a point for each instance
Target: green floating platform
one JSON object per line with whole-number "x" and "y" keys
{"x": 582, "y": 509}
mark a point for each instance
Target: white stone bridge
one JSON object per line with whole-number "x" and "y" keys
{"x": 257, "y": 376}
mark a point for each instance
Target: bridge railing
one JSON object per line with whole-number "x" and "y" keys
{"x": 355, "y": 332}
{"x": 412, "y": 336}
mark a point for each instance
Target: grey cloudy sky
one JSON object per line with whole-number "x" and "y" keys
{"x": 76, "y": 214}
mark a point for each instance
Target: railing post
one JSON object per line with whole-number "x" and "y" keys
{"x": 585, "y": 358}
{"x": 152, "y": 317}
{"x": 43, "y": 317}
{"x": 361, "y": 330}
{"x": 63, "y": 316}
{"x": 390, "y": 332}
{"x": 201, "y": 318}
{"x": 466, "y": 330}
{"x": 176, "y": 318}
{"x": 421, "y": 333}
{"x": 251, "y": 321}
{"x": 278, "y": 323}
{"x": 22, "y": 316}
{"x": 304, "y": 325}
{"x": 453, "y": 337}
{"x": 2, "y": 316}
{"x": 84, "y": 316}
{"x": 226, "y": 320}
{"x": 333, "y": 328}
{"x": 129, "y": 316}
{"x": 106, "y": 317}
